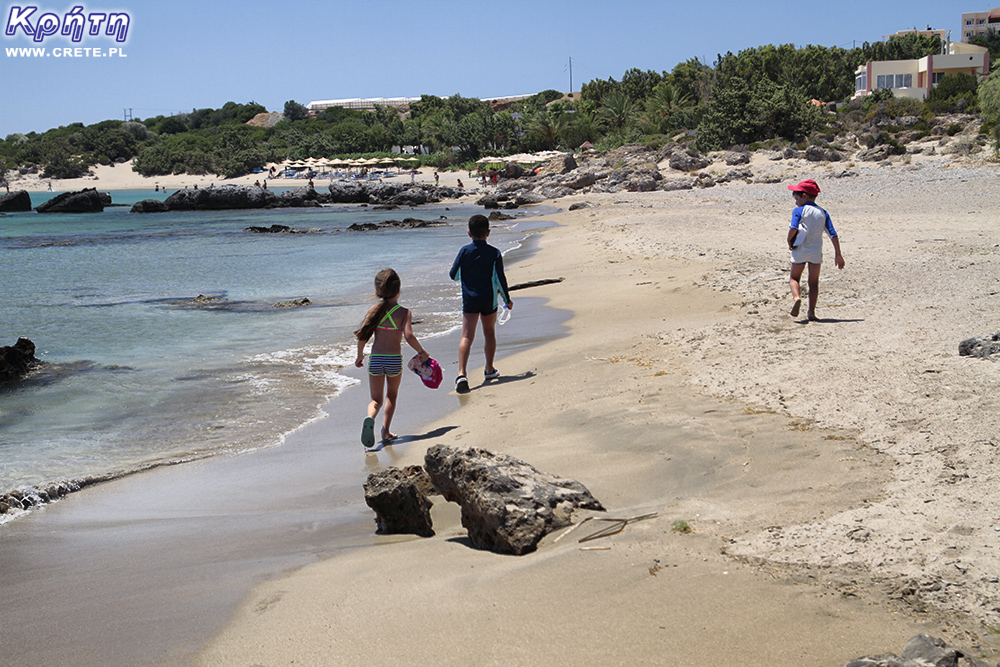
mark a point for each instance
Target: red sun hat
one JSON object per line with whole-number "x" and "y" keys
{"x": 807, "y": 186}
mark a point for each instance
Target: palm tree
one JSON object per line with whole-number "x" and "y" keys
{"x": 617, "y": 110}
{"x": 661, "y": 107}
{"x": 544, "y": 127}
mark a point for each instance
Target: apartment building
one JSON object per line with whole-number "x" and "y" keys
{"x": 977, "y": 23}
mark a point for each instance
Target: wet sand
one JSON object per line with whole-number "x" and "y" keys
{"x": 146, "y": 569}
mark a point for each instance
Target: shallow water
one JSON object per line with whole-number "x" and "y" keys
{"x": 137, "y": 373}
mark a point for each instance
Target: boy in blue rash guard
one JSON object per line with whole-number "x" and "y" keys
{"x": 479, "y": 267}
{"x": 805, "y": 240}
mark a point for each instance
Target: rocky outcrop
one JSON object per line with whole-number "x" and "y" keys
{"x": 273, "y": 229}
{"x": 922, "y": 651}
{"x": 383, "y": 193}
{"x": 399, "y": 499}
{"x": 17, "y": 360}
{"x": 688, "y": 161}
{"x": 984, "y": 348}
{"x": 226, "y": 197}
{"x": 294, "y": 303}
{"x": 405, "y": 223}
{"x": 304, "y": 197}
{"x": 879, "y": 152}
{"x": 507, "y": 505}
{"x": 15, "y": 202}
{"x": 148, "y": 206}
{"x": 822, "y": 154}
{"x": 87, "y": 200}
{"x": 557, "y": 166}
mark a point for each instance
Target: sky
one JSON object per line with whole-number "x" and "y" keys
{"x": 183, "y": 55}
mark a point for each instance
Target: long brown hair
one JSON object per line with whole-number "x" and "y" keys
{"x": 387, "y": 289}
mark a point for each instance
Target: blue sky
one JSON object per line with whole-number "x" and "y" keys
{"x": 181, "y": 55}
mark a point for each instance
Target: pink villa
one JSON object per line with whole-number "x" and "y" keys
{"x": 915, "y": 78}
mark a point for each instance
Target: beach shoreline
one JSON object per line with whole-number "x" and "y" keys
{"x": 683, "y": 388}
{"x": 829, "y": 514}
{"x": 116, "y": 177}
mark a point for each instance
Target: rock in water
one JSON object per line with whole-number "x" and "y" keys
{"x": 14, "y": 202}
{"x": 87, "y": 200}
{"x": 507, "y": 505}
{"x": 17, "y": 360}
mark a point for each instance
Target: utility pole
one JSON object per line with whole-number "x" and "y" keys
{"x": 128, "y": 114}
{"x": 571, "y": 75}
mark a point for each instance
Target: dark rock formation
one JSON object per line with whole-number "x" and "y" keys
{"x": 581, "y": 204}
{"x": 405, "y": 223}
{"x": 879, "y": 152}
{"x": 980, "y": 347}
{"x": 294, "y": 303}
{"x": 226, "y": 197}
{"x": 733, "y": 159}
{"x": 17, "y": 360}
{"x": 688, "y": 161}
{"x": 87, "y": 200}
{"x": 399, "y": 499}
{"x": 513, "y": 170}
{"x": 507, "y": 505}
{"x": 921, "y": 651}
{"x": 822, "y": 154}
{"x": 382, "y": 193}
{"x": 15, "y": 202}
{"x": 304, "y": 197}
{"x": 148, "y": 206}
{"x": 273, "y": 229}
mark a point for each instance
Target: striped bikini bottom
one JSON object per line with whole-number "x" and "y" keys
{"x": 389, "y": 365}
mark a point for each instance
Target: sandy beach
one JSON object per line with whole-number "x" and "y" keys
{"x": 108, "y": 178}
{"x": 839, "y": 475}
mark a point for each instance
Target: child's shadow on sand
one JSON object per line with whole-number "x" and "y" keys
{"x": 504, "y": 379}
{"x": 828, "y": 320}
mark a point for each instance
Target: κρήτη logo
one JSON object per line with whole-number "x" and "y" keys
{"x": 74, "y": 24}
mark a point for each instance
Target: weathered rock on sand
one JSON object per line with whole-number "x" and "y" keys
{"x": 507, "y": 505}
{"x": 399, "y": 499}
{"x": 87, "y": 200}
{"x": 17, "y": 360}
{"x": 983, "y": 347}
{"x": 922, "y": 651}
{"x": 15, "y": 202}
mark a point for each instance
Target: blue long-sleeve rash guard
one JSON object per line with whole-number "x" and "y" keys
{"x": 479, "y": 267}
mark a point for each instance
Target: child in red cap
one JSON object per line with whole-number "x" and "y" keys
{"x": 805, "y": 240}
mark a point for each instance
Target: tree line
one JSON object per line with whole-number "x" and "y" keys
{"x": 758, "y": 95}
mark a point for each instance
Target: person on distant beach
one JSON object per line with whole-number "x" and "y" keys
{"x": 805, "y": 240}
{"x": 413, "y": 175}
{"x": 479, "y": 267}
{"x": 437, "y": 178}
{"x": 256, "y": 183}
{"x": 460, "y": 183}
{"x": 389, "y": 323}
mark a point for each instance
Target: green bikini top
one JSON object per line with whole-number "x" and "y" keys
{"x": 388, "y": 316}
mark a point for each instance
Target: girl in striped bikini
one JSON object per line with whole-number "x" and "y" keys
{"x": 390, "y": 324}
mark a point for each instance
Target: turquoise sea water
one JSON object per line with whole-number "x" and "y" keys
{"x": 138, "y": 374}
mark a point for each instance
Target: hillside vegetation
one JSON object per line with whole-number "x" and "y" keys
{"x": 760, "y": 95}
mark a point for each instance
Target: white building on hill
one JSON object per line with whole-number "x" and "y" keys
{"x": 915, "y": 78}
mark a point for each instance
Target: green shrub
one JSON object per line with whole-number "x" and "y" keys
{"x": 954, "y": 129}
